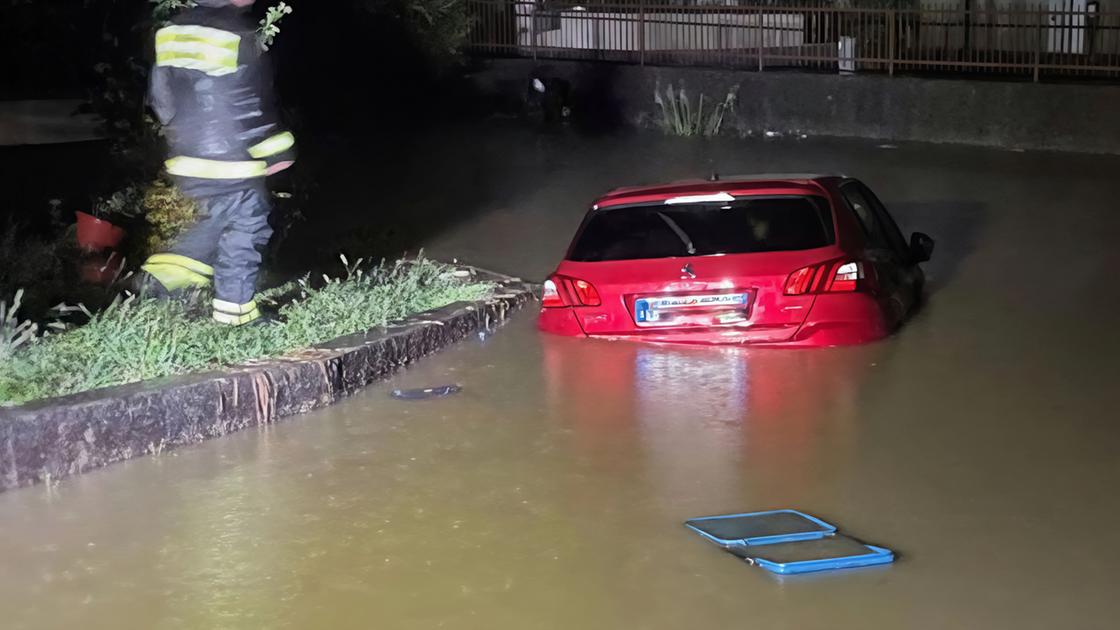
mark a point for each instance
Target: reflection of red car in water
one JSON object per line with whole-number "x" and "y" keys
{"x": 719, "y": 423}
{"x": 793, "y": 260}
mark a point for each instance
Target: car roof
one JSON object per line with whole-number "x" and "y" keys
{"x": 796, "y": 183}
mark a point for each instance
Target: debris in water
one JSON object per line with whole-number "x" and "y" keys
{"x": 788, "y": 541}
{"x": 426, "y": 393}
{"x": 888, "y": 146}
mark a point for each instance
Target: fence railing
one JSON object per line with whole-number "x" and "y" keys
{"x": 1033, "y": 43}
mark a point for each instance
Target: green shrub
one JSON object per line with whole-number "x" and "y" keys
{"x": 28, "y": 259}
{"x": 680, "y": 119}
{"x": 119, "y": 207}
{"x": 167, "y": 212}
{"x": 438, "y": 28}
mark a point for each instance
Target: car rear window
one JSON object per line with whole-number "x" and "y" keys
{"x": 746, "y": 225}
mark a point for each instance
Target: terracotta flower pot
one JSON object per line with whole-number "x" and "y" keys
{"x": 95, "y": 234}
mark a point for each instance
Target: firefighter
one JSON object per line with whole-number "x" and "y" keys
{"x": 211, "y": 88}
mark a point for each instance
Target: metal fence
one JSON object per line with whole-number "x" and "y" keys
{"x": 1033, "y": 43}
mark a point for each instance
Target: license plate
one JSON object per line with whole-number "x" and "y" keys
{"x": 688, "y": 309}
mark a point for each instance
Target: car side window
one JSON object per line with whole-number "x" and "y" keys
{"x": 865, "y": 214}
{"x": 886, "y": 221}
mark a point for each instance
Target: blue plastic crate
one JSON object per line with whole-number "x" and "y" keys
{"x": 807, "y": 556}
{"x": 760, "y": 528}
{"x": 788, "y": 542}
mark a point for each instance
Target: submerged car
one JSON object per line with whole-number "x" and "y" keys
{"x": 797, "y": 260}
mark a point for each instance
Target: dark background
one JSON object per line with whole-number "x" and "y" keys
{"x": 344, "y": 57}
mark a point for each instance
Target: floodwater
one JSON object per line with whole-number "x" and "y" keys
{"x": 981, "y": 442}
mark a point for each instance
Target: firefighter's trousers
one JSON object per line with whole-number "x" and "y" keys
{"x": 225, "y": 245}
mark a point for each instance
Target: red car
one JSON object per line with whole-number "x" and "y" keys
{"x": 795, "y": 260}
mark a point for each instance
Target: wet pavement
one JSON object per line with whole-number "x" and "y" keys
{"x": 980, "y": 442}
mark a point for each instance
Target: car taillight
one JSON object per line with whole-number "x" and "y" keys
{"x": 799, "y": 281}
{"x": 585, "y": 293}
{"x": 550, "y": 298}
{"x": 564, "y": 291}
{"x": 838, "y": 276}
{"x": 845, "y": 278}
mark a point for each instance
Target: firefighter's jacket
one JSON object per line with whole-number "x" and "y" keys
{"x": 212, "y": 89}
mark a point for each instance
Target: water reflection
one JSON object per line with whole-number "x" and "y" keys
{"x": 719, "y": 423}
{"x": 690, "y": 407}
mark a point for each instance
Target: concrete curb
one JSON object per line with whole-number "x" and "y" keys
{"x": 51, "y": 439}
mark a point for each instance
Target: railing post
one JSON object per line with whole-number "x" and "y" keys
{"x": 641, "y": 32}
{"x": 761, "y": 36}
{"x": 891, "y": 41}
{"x": 1038, "y": 45}
{"x": 533, "y": 28}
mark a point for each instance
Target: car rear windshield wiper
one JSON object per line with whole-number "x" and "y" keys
{"x": 681, "y": 234}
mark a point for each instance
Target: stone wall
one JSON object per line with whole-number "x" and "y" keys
{"x": 1006, "y": 114}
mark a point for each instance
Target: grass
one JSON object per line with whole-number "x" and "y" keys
{"x": 679, "y": 118}
{"x": 138, "y": 339}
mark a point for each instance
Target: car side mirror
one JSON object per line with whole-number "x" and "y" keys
{"x": 921, "y": 246}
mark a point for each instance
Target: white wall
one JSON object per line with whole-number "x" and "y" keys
{"x": 597, "y": 30}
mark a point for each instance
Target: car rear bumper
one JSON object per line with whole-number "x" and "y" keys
{"x": 842, "y": 319}
{"x": 560, "y": 321}
{"x": 833, "y": 320}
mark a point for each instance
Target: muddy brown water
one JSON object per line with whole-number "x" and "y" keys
{"x": 981, "y": 442}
